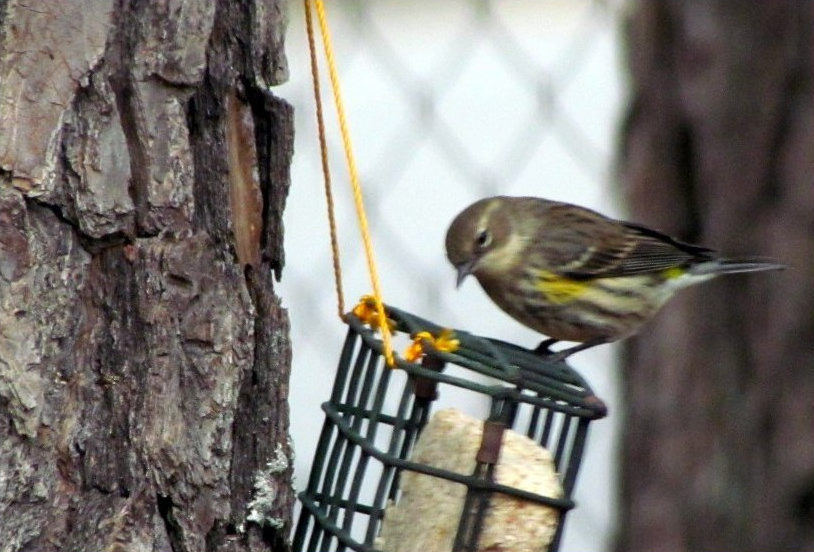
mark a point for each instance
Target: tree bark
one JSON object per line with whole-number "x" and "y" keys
{"x": 719, "y": 149}
{"x": 144, "y": 356}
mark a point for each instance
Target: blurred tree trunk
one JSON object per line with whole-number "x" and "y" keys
{"x": 719, "y": 149}
{"x": 144, "y": 356}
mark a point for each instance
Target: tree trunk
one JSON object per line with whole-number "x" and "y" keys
{"x": 719, "y": 149}
{"x": 144, "y": 356}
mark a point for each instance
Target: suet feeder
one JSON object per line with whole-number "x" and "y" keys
{"x": 369, "y": 445}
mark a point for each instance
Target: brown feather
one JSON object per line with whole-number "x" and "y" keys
{"x": 581, "y": 243}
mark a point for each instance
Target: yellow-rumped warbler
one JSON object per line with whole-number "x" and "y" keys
{"x": 573, "y": 274}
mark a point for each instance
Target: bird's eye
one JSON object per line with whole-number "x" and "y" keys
{"x": 483, "y": 239}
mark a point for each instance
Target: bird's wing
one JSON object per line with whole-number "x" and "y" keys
{"x": 580, "y": 243}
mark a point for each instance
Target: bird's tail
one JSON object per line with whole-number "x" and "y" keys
{"x": 728, "y": 266}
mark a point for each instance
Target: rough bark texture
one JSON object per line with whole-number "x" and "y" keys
{"x": 144, "y": 356}
{"x": 719, "y": 149}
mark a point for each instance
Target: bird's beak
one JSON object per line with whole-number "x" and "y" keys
{"x": 464, "y": 270}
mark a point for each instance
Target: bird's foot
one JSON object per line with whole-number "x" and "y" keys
{"x": 559, "y": 356}
{"x": 544, "y": 348}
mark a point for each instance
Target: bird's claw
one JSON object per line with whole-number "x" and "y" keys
{"x": 544, "y": 348}
{"x": 559, "y": 356}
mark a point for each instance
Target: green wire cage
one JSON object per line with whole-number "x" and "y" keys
{"x": 376, "y": 414}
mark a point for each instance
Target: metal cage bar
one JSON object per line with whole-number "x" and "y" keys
{"x": 548, "y": 402}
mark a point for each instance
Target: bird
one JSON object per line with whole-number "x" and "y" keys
{"x": 573, "y": 274}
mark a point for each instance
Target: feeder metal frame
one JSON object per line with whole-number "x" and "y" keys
{"x": 526, "y": 380}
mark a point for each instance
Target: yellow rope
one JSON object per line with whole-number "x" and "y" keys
{"x": 366, "y": 311}
{"x": 354, "y": 177}
{"x": 326, "y": 172}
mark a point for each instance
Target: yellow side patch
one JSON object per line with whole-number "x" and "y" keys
{"x": 558, "y": 289}
{"x": 674, "y": 272}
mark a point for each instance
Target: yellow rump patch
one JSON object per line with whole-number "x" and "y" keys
{"x": 558, "y": 289}
{"x": 674, "y": 272}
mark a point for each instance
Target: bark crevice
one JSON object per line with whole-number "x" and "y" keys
{"x": 174, "y": 532}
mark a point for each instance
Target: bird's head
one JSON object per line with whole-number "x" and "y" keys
{"x": 479, "y": 237}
